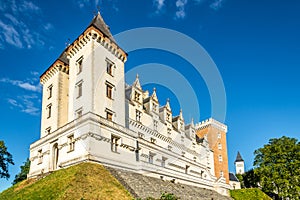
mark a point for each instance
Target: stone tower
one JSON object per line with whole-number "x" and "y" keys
{"x": 215, "y": 132}
{"x": 239, "y": 164}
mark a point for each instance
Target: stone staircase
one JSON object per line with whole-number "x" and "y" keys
{"x": 141, "y": 186}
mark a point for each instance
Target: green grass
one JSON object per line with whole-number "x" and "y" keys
{"x": 84, "y": 181}
{"x": 249, "y": 194}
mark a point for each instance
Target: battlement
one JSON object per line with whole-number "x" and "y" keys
{"x": 211, "y": 122}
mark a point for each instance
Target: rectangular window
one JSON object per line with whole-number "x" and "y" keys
{"x": 151, "y": 156}
{"x": 50, "y": 91}
{"x": 137, "y": 96}
{"x": 114, "y": 143}
{"x": 219, "y": 135}
{"x": 154, "y": 107}
{"x": 138, "y": 115}
{"x": 49, "y": 107}
{"x": 155, "y": 125}
{"x": 109, "y": 67}
{"x": 40, "y": 156}
{"x": 109, "y": 115}
{"x": 48, "y": 130}
{"x": 79, "y": 65}
{"x": 78, "y": 113}
{"x": 71, "y": 143}
{"x": 79, "y": 89}
{"x": 152, "y": 140}
{"x": 168, "y": 130}
{"x": 220, "y": 158}
{"x": 169, "y": 117}
{"x": 186, "y": 168}
{"x": 219, "y": 146}
{"x": 109, "y": 91}
{"x": 163, "y": 161}
{"x": 221, "y": 173}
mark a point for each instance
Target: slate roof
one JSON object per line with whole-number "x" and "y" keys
{"x": 232, "y": 177}
{"x": 63, "y": 58}
{"x": 99, "y": 23}
{"x": 238, "y": 157}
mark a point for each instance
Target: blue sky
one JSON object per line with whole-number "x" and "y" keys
{"x": 254, "y": 44}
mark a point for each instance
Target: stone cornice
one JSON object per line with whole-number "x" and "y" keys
{"x": 53, "y": 69}
{"x": 93, "y": 33}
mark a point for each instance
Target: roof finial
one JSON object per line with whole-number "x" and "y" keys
{"x": 98, "y": 9}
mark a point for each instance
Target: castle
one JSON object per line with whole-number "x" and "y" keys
{"x": 89, "y": 114}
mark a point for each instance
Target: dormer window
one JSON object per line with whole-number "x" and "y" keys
{"x": 168, "y": 117}
{"x": 154, "y": 107}
{"x": 137, "y": 96}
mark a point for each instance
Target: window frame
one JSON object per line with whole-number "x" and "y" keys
{"x": 49, "y": 110}
{"x": 79, "y": 88}
{"x": 50, "y": 91}
{"x": 151, "y": 158}
{"x": 114, "y": 143}
{"x": 40, "y": 156}
{"x": 78, "y": 113}
{"x": 109, "y": 90}
{"x": 138, "y": 115}
{"x": 109, "y": 67}
{"x": 109, "y": 113}
{"x": 79, "y": 63}
{"x": 71, "y": 143}
{"x": 220, "y": 157}
{"x": 48, "y": 130}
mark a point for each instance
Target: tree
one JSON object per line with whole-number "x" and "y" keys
{"x": 250, "y": 179}
{"x": 5, "y": 160}
{"x": 277, "y": 165}
{"x": 23, "y": 173}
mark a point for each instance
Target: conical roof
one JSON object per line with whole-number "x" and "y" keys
{"x": 99, "y": 23}
{"x": 239, "y": 158}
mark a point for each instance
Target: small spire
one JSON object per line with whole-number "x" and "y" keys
{"x": 98, "y": 9}
{"x": 154, "y": 96}
{"x": 192, "y": 123}
{"x": 167, "y": 106}
{"x": 136, "y": 83}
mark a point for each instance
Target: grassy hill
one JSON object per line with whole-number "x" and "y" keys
{"x": 83, "y": 181}
{"x": 249, "y": 194}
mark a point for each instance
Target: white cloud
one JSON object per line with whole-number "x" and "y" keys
{"x": 11, "y": 36}
{"x": 29, "y": 6}
{"x": 217, "y": 4}
{"x": 13, "y": 102}
{"x": 180, "y": 5}
{"x": 48, "y": 26}
{"x": 159, "y": 4}
{"x": 24, "y": 85}
{"x": 25, "y": 103}
{"x": 35, "y": 73}
{"x": 16, "y": 28}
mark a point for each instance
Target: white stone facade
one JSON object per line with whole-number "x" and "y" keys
{"x": 95, "y": 117}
